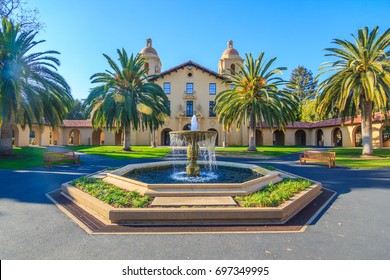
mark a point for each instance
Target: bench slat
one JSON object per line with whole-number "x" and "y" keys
{"x": 318, "y": 156}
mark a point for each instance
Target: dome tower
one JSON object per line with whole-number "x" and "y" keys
{"x": 230, "y": 58}
{"x": 153, "y": 62}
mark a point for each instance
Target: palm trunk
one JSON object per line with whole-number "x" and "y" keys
{"x": 153, "y": 144}
{"x": 367, "y": 128}
{"x": 126, "y": 141}
{"x": 252, "y": 133}
{"x": 6, "y": 138}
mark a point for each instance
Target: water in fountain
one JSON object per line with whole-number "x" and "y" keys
{"x": 194, "y": 123}
{"x": 206, "y": 156}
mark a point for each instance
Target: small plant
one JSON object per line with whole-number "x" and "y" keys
{"x": 111, "y": 168}
{"x": 274, "y": 194}
{"x": 269, "y": 167}
{"x": 111, "y": 194}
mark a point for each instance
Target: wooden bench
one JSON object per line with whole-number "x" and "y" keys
{"x": 329, "y": 157}
{"x": 50, "y": 157}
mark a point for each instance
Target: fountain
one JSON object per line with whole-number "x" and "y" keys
{"x": 192, "y": 138}
{"x": 173, "y": 196}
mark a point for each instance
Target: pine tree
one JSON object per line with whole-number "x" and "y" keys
{"x": 303, "y": 86}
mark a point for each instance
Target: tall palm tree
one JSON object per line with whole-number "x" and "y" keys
{"x": 360, "y": 79}
{"x": 31, "y": 90}
{"x": 254, "y": 97}
{"x": 124, "y": 99}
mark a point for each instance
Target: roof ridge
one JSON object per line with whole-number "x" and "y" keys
{"x": 184, "y": 64}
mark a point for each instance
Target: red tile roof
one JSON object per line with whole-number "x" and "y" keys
{"x": 333, "y": 122}
{"x": 76, "y": 123}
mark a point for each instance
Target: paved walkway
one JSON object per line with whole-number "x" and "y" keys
{"x": 354, "y": 226}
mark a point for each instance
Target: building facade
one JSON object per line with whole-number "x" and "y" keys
{"x": 191, "y": 89}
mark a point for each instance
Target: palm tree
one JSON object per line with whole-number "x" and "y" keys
{"x": 124, "y": 99}
{"x": 360, "y": 80}
{"x": 254, "y": 97}
{"x": 31, "y": 90}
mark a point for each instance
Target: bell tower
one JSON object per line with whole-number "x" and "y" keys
{"x": 153, "y": 62}
{"x": 230, "y": 59}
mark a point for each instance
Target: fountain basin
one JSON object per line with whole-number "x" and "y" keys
{"x": 192, "y": 189}
{"x": 192, "y": 216}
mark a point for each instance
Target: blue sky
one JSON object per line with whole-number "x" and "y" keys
{"x": 296, "y": 32}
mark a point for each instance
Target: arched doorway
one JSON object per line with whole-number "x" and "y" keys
{"x": 187, "y": 127}
{"x": 337, "y": 137}
{"x": 165, "y": 137}
{"x": 319, "y": 138}
{"x": 74, "y": 137}
{"x": 216, "y": 138}
{"x": 278, "y": 138}
{"x": 15, "y": 135}
{"x": 119, "y": 138}
{"x": 300, "y": 138}
{"x": 97, "y": 137}
{"x": 386, "y": 136}
{"x": 357, "y": 136}
{"x": 259, "y": 137}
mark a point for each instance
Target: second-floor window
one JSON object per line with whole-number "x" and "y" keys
{"x": 190, "y": 88}
{"x": 212, "y": 88}
{"x": 167, "y": 88}
{"x": 211, "y": 109}
{"x": 169, "y": 107}
{"x": 189, "y": 108}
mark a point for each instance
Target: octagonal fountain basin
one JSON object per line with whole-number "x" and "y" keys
{"x": 168, "y": 179}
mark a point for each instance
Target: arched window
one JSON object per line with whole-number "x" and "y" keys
{"x": 97, "y": 137}
{"x": 259, "y": 137}
{"x": 165, "y": 137}
{"x": 337, "y": 137}
{"x": 386, "y": 136}
{"x": 278, "y": 138}
{"x": 319, "y": 138}
{"x": 300, "y": 138}
{"x": 357, "y": 136}
{"x": 233, "y": 69}
{"x": 74, "y": 137}
{"x": 147, "y": 68}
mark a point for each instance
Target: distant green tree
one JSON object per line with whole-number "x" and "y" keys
{"x": 303, "y": 86}
{"x": 77, "y": 112}
{"x": 308, "y": 111}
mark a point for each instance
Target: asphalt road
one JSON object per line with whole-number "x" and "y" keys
{"x": 355, "y": 225}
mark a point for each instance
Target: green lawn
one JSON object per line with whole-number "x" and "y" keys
{"x": 262, "y": 151}
{"x": 350, "y": 157}
{"x": 24, "y": 157}
{"x": 118, "y": 153}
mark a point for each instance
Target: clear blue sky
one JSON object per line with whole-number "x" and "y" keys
{"x": 296, "y": 32}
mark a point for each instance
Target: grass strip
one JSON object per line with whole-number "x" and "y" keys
{"x": 117, "y": 152}
{"x": 111, "y": 194}
{"x": 274, "y": 194}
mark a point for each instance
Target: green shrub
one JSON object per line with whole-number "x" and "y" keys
{"x": 274, "y": 194}
{"x": 111, "y": 194}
